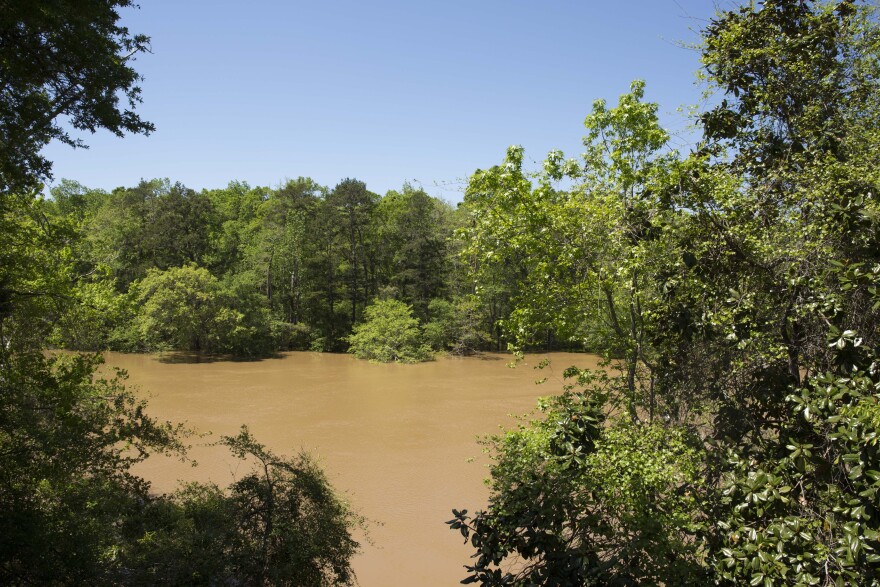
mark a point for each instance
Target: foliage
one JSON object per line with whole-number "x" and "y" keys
{"x": 29, "y": 294}
{"x": 388, "y": 334}
{"x": 806, "y": 514}
{"x": 577, "y": 502}
{"x": 734, "y": 290}
{"x": 289, "y": 273}
{"x": 73, "y": 511}
{"x": 156, "y": 225}
{"x": 68, "y": 440}
{"x": 97, "y": 318}
{"x": 792, "y": 73}
{"x": 233, "y": 222}
{"x": 753, "y": 322}
{"x": 282, "y": 524}
{"x": 580, "y": 261}
{"x": 295, "y": 528}
{"x": 67, "y": 59}
{"x": 440, "y": 330}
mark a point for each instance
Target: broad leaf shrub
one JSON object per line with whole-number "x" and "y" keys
{"x": 808, "y": 514}
{"x": 580, "y": 500}
{"x": 389, "y": 334}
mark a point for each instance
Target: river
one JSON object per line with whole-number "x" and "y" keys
{"x": 398, "y": 441}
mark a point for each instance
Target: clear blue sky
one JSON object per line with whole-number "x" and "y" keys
{"x": 384, "y": 91}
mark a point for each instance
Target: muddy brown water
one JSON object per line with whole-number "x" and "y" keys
{"x": 398, "y": 441}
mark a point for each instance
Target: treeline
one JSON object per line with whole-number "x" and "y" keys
{"x": 249, "y": 271}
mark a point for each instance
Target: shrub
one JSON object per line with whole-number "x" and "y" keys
{"x": 389, "y": 334}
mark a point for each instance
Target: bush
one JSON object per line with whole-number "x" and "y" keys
{"x": 389, "y": 334}
{"x": 577, "y": 500}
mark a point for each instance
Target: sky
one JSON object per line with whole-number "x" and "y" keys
{"x": 384, "y": 91}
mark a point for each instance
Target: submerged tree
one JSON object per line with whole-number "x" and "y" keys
{"x": 388, "y": 334}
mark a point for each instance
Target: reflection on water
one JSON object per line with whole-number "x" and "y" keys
{"x": 398, "y": 440}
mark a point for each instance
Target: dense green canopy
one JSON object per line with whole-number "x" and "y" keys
{"x": 734, "y": 441}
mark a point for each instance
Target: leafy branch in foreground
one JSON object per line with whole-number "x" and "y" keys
{"x": 578, "y": 502}
{"x": 281, "y": 524}
{"x": 68, "y": 59}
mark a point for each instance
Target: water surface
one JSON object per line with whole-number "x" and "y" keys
{"x": 399, "y": 441}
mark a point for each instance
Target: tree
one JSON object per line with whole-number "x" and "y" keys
{"x": 761, "y": 316}
{"x": 295, "y": 527}
{"x": 582, "y": 259}
{"x": 793, "y": 341}
{"x": 236, "y": 209}
{"x": 67, "y": 443}
{"x": 283, "y": 244}
{"x": 281, "y": 524}
{"x": 388, "y": 334}
{"x": 325, "y": 262}
{"x": 156, "y": 224}
{"x": 353, "y": 205}
{"x": 65, "y": 60}
{"x": 31, "y": 295}
{"x": 412, "y": 236}
{"x": 773, "y": 201}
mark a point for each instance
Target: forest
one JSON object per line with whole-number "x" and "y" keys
{"x": 733, "y": 291}
{"x": 292, "y": 268}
